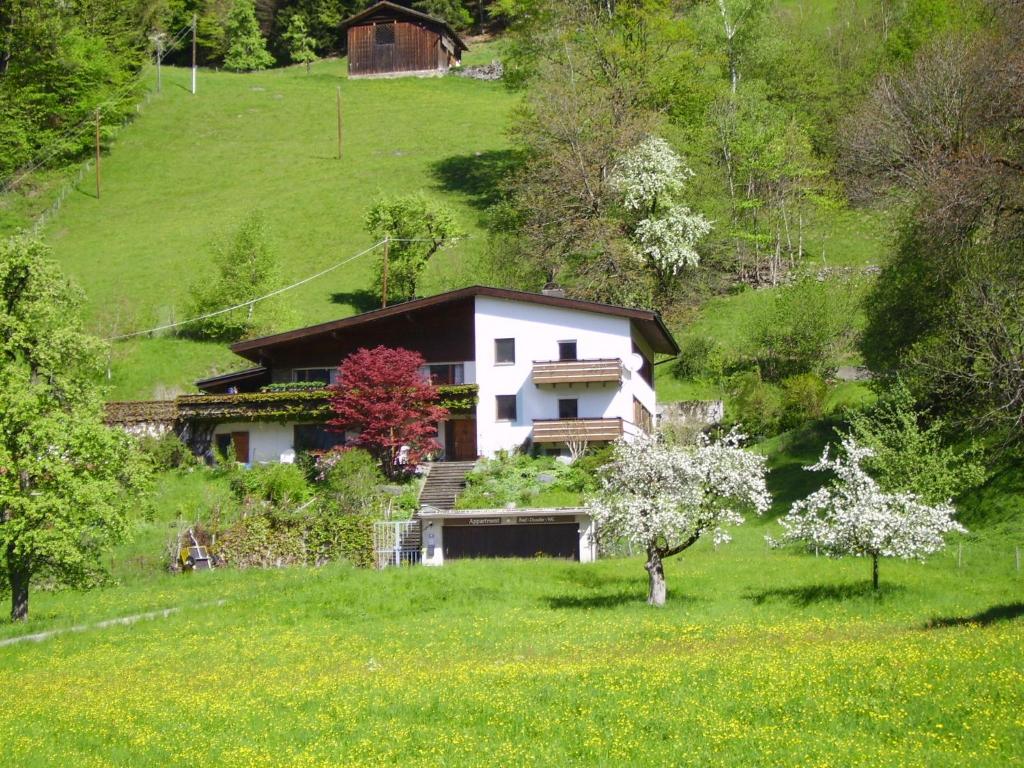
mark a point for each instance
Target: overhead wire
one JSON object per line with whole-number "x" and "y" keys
{"x": 250, "y": 302}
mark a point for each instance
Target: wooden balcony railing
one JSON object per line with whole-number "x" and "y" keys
{"x": 577, "y": 371}
{"x": 570, "y": 430}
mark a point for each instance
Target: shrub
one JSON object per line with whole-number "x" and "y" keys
{"x": 349, "y": 480}
{"x": 700, "y": 357}
{"x": 278, "y": 484}
{"x": 807, "y": 328}
{"x": 167, "y": 451}
{"x": 803, "y": 399}
{"x": 754, "y": 404}
{"x": 269, "y": 537}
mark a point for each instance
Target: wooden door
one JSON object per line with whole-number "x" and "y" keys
{"x": 240, "y": 441}
{"x": 463, "y": 440}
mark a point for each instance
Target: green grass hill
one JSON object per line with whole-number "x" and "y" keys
{"x": 191, "y": 167}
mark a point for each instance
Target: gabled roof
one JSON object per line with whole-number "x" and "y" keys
{"x": 401, "y": 10}
{"x": 648, "y": 322}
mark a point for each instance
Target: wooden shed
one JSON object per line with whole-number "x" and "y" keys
{"x": 390, "y": 39}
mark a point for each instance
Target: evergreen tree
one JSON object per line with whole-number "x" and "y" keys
{"x": 300, "y": 44}
{"x": 246, "y": 48}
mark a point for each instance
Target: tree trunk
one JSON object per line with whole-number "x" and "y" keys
{"x": 657, "y": 589}
{"x": 874, "y": 572}
{"x": 18, "y": 573}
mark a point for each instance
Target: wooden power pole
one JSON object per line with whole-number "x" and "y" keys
{"x": 384, "y": 274}
{"x": 339, "y": 122}
{"x": 193, "y": 54}
{"x": 97, "y": 154}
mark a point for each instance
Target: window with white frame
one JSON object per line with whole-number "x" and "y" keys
{"x": 504, "y": 351}
{"x": 505, "y": 407}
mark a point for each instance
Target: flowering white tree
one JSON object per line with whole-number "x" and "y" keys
{"x": 668, "y": 243}
{"x": 853, "y": 516}
{"x": 649, "y": 177}
{"x": 649, "y": 173}
{"x": 665, "y": 497}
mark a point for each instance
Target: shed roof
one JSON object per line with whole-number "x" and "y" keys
{"x": 401, "y": 10}
{"x": 649, "y": 323}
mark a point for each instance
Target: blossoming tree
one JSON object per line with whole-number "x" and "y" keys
{"x": 665, "y": 233}
{"x": 665, "y": 497}
{"x": 853, "y": 516}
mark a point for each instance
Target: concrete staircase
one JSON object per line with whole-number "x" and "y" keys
{"x": 445, "y": 480}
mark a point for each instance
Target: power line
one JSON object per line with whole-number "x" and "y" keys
{"x": 250, "y": 302}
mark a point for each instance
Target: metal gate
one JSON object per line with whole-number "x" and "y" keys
{"x": 396, "y": 542}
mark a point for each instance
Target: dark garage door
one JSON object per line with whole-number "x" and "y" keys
{"x": 553, "y": 540}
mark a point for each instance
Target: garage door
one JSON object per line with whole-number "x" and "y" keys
{"x": 553, "y": 540}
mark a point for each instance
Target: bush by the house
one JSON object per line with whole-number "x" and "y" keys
{"x": 278, "y": 484}
{"x": 167, "y": 451}
{"x": 273, "y": 537}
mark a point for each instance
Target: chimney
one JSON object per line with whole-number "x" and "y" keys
{"x": 553, "y": 289}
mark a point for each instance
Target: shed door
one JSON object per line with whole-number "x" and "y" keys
{"x": 384, "y": 46}
{"x": 553, "y": 540}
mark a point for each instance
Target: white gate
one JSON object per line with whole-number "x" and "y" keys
{"x": 396, "y": 542}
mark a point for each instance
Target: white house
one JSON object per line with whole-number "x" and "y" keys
{"x": 518, "y": 371}
{"x": 548, "y": 371}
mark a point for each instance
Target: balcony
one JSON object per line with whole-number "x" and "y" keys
{"x": 577, "y": 430}
{"x": 577, "y": 371}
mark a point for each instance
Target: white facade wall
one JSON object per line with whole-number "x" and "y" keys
{"x": 537, "y": 329}
{"x": 267, "y": 440}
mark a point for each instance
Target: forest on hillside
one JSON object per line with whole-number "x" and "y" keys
{"x": 667, "y": 152}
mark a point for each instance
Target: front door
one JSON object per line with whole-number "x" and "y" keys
{"x": 240, "y": 441}
{"x": 463, "y": 447}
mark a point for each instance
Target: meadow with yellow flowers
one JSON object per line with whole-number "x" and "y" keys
{"x": 760, "y": 658}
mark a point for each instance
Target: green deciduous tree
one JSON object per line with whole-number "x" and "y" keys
{"x": 68, "y": 483}
{"x": 909, "y": 452}
{"x": 246, "y": 269}
{"x": 246, "y": 48}
{"x": 416, "y": 229}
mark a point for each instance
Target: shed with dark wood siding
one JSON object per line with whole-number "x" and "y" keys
{"x": 390, "y": 39}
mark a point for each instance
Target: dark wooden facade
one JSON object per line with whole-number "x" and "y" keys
{"x": 389, "y": 39}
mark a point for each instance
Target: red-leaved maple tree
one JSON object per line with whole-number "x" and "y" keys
{"x": 383, "y": 395}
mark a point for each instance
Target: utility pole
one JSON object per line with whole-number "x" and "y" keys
{"x": 193, "y": 54}
{"x": 339, "y": 122}
{"x": 97, "y": 154}
{"x": 384, "y": 275}
{"x": 159, "y": 58}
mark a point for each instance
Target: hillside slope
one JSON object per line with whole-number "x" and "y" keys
{"x": 190, "y": 168}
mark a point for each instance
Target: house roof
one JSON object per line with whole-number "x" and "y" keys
{"x": 401, "y": 10}
{"x": 648, "y": 322}
{"x": 234, "y": 377}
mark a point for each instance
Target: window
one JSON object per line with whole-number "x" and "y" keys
{"x": 384, "y": 34}
{"x": 504, "y": 351}
{"x": 506, "y": 407}
{"x": 323, "y": 375}
{"x": 567, "y": 350}
{"x": 446, "y": 373}
{"x": 316, "y": 437}
{"x": 569, "y": 408}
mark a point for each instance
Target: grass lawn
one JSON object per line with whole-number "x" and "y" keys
{"x": 760, "y": 658}
{"x": 190, "y": 168}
